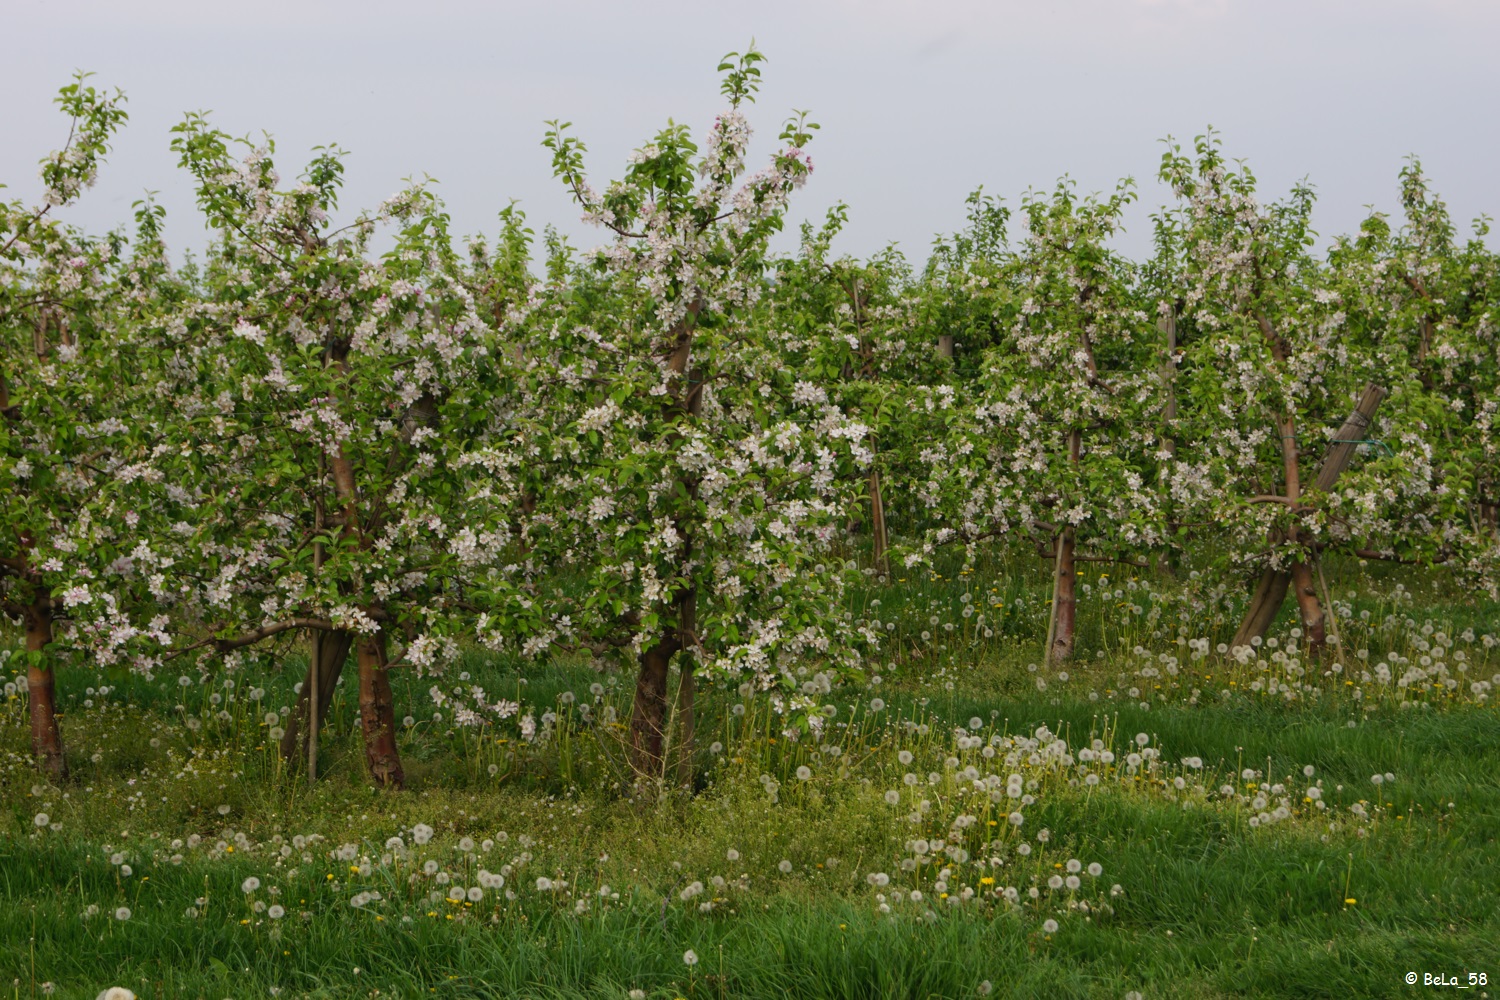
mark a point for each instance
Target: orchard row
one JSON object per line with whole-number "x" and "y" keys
{"x": 683, "y": 448}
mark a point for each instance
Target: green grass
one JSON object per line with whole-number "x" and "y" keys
{"x": 1210, "y": 905}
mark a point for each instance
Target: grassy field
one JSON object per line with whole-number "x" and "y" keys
{"x": 1157, "y": 819}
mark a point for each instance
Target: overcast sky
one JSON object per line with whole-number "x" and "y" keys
{"x": 919, "y": 102}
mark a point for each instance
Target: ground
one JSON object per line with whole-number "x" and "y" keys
{"x": 1276, "y": 827}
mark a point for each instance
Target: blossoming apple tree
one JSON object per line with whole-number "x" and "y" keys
{"x": 74, "y": 423}
{"x": 345, "y": 442}
{"x": 699, "y": 482}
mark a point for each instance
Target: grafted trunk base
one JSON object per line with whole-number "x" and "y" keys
{"x": 41, "y": 684}
{"x": 377, "y": 714}
{"x": 46, "y": 737}
{"x": 648, "y": 715}
{"x": 1309, "y": 607}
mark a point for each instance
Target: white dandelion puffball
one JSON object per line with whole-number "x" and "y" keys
{"x": 116, "y": 993}
{"x": 123, "y": 913}
{"x": 250, "y": 885}
{"x": 1049, "y": 926}
{"x": 690, "y": 957}
{"x": 785, "y": 866}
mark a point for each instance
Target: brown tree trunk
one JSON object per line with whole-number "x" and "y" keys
{"x": 335, "y": 649}
{"x": 945, "y": 345}
{"x": 648, "y": 716}
{"x": 1065, "y": 577}
{"x": 377, "y": 714}
{"x": 1309, "y": 606}
{"x": 1067, "y": 597}
{"x": 46, "y": 738}
{"x": 1269, "y": 595}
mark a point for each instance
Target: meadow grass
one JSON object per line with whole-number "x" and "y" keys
{"x": 1247, "y": 851}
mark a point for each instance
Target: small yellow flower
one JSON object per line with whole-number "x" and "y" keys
{"x": 1350, "y": 901}
{"x": 987, "y": 880}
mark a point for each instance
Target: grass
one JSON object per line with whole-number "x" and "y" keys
{"x": 1205, "y": 891}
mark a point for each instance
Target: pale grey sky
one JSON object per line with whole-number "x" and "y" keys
{"x": 919, "y": 102}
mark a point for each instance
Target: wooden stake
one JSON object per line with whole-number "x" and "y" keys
{"x": 1052, "y": 615}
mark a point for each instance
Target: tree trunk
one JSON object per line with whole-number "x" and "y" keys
{"x": 335, "y": 649}
{"x": 1065, "y": 577}
{"x": 648, "y": 716}
{"x": 1271, "y": 592}
{"x": 46, "y": 738}
{"x": 1066, "y": 612}
{"x": 945, "y": 345}
{"x": 1309, "y": 606}
{"x": 1489, "y": 515}
{"x": 1269, "y": 595}
{"x": 377, "y": 714}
